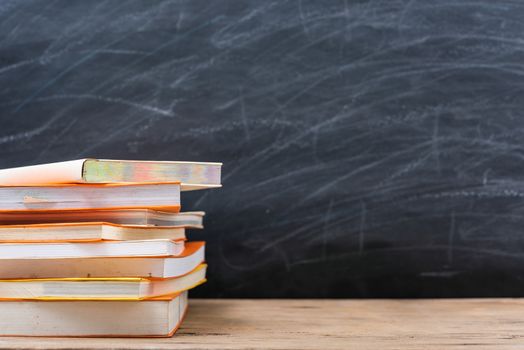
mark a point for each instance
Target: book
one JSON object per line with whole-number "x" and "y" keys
{"x": 123, "y": 288}
{"x": 59, "y": 250}
{"x": 87, "y": 231}
{"x": 154, "y": 267}
{"x": 158, "y": 317}
{"x": 114, "y": 216}
{"x": 192, "y": 175}
{"x": 165, "y": 196}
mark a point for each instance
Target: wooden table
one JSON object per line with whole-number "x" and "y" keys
{"x": 327, "y": 324}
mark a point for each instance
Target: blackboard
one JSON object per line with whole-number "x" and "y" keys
{"x": 370, "y": 148}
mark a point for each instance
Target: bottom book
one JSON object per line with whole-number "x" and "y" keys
{"x": 159, "y": 317}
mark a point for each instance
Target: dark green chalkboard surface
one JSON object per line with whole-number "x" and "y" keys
{"x": 370, "y": 148}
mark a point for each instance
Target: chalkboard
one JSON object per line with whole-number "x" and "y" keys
{"x": 370, "y": 148}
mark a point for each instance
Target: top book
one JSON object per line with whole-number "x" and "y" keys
{"x": 191, "y": 175}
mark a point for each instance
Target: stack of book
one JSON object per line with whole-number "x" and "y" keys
{"x": 98, "y": 247}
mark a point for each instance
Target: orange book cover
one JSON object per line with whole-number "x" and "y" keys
{"x": 37, "y": 198}
{"x": 180, "y": 298}
{"x": 99, "y": 231}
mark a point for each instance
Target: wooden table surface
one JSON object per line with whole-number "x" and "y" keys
{"x": 327, "y": 324}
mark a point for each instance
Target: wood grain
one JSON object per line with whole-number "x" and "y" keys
{"x": 327, "y": 324}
